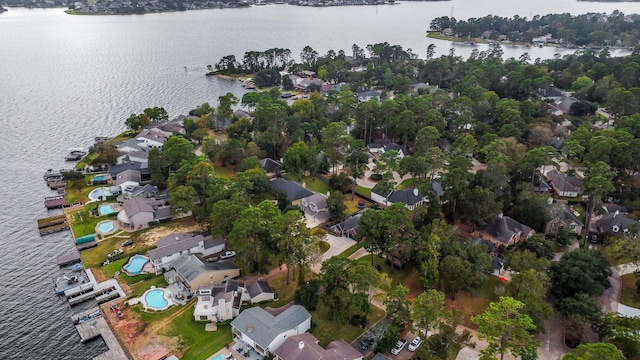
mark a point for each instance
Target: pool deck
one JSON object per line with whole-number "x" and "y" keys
{"x": 98, "y": 326}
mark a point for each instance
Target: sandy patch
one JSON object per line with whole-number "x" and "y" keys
{"x": 185, "y": 226}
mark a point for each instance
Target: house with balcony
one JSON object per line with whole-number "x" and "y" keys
{"x": 172, "y": 246}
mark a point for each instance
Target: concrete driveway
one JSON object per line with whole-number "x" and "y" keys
{"x": 337, "y": 245}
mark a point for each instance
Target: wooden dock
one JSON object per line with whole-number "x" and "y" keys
{"x": 52, "y": 224}
{"x": 87, "y": 245}
{"x": 68, "y": 259}
{"x": 91, "y": 327}
{"x": 58, "y": 202}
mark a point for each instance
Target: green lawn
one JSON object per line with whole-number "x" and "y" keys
{"x": 352, "y": 205}
{"x": 195, "y": 342}
{"x": 351, "y": 250}
{"x": 284, "y": 292}
{"x": 628, "y": 293}
{"x": 225, "y": 171}
{"x": 141, "y": 283}
{"x": 472, "y": 305}
{"x": 311, "y": 183}
{"x": 84, "y": 224}
{"x": 324, "y": 246}
{"x": 327, "y": 330}
{"x": 363, "y": 191}
{"x": 412, "y": 182}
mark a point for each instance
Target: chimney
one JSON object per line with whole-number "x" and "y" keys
{"x": 300, "y": 345}
{"x": 616, "y": 213}
{"x": 500, "y": 215}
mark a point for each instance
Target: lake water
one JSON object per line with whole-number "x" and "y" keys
{"x": 66, "y": 79}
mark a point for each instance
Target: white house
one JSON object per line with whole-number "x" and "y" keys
{"x": 128, "y": 179}
{"x": 389, "y": 147}
{"x": 153, "y": 138}
{"x": 315, "y": 206}
{"x": 260, "y": 291}
{"x": 170, "y": 247}
{"x": 219, "y": 302}
{"x": 265, "y": 332}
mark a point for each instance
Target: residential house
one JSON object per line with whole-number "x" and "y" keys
{"x": 348, "y": 227}
{"x": 306, "y": 347}
{"x": 265, "y": 331}
{"x": 260, "y": 291}
{"x": 447, "y": 32}
{"x": 375, "y": 148}
{"x": 139, "y": 156}
{"x": 505, "y": 231}
{"x": 271, "y": 167}
{"x": 295, "y": 192}
{"x": 128, "y": 146}
{"x": 193, "y": 271}
{"x": 564, "y": 185}
{"x": 114, "y": 170}
{"x": 616, "y": 223}
{"x": 172, "y": 246}
{"x": 137, "y": 213}
{"x": 146, "y": 191}
{"x": 153, "y": 137}
{"x": 366, "y": 95}
{"x": 219, "y": 302}
{"x": 241, "y": 114}
{"x": 497, "y": 263}
{"x": 563, "y": 106}
{"x": 411, "y": 198}
{"x": 315, "y": 206}
{"x": 128, "y": 179}
{"x": 389, "y": 147}
{"x": 562, "y": 217}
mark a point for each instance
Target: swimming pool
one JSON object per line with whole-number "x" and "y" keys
{"x": 99, "y": 178}
{"x": 99, "y": 193}
{"x": 106, "y": 209}
{"x": 155, "y": 299}
{"x": 135, "y": 265}
{"x": 106, "y": 227}
{"x": 218, "y": 357}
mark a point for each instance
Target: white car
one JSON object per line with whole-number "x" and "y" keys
{"x": 399, "y": 346}
{"x": 228, "y": 255}
{"x": 413, "y": 346}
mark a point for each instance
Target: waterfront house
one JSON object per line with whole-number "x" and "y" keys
{"x": 114, "y": 170}
{"x": 295, "y": 192}
{"x": 306, "y": 347}
{"x": 193, "y": 271}
{"x": 128, "y": 179}
{"x": 138, "y": 213}
{"x": 172, "y": 246}
{"x": 139, "y": 156}
{"x": 219, "y": 302}
{"x": 146, "y": 191}
{"x": 265, "y": 331}
{"x": 153, "y": 137}
{"x": 411, "y": 198}
{"x": 260, "y": 291}
{"x": 504, "y": 230}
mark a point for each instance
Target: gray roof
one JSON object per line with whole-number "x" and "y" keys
{"x": 135, "y": 206}
{"x": 437, "y": 188}
{"x": 404, "y": 196}
{"x": 380, "y": 356}
{"x": 270, "y": 165}
{"x": 132, "y": 143}
{"x": 349, "y": 225}
{"x": 563, "y": 211}
{"x": 191, "y": 266}
{"x": 505, "y": 227}
{"x": 305, "y": 347}
{"x": 616, "y": 219}
{"x": 128, "y": 175}
{"x": 563, "y": 182}
{"x": 116, "y": 169}
{"x": 162, "y": 213}
{"x": 175, "y": 243}
{"x": 293, "y": 190}
{"x": 148, "y": 189}
{"x": 259, "y": 287}
{"x": 263, "y": 328}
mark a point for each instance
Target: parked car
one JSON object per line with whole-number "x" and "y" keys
{"x": 413, "y": 346}
{"x": 127, "y": 242}
{"x": 115, "y": 253}
{"x": 399, "y": 346}
{"x": 227, "y": 255}
{"x": 366, "y": 342}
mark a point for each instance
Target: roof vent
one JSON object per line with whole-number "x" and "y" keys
{"x": 300, "y": 345}
{"x": 249, "y": 328}
{"x": 415, "y": 191}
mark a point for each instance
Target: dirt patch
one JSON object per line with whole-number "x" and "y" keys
{"x": 186, "y": 225}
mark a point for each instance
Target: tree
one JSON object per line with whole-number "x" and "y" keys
{"x": 334, "y": 143}
{"x": 580, "y": 271}
{"x": 398, "y": 308}
{"x": 156, "y": 114}
{"x": 336, "y": 206}
{"x": 183, "y": 200}
{"x": 295, "y": 242}
{"x": 595, "y": 351}
{"x": 335, "y": 274}
{"x": 454, "y": 273}
{"x": 427, "y": 309}
{"x": 298, "y": 159}
{"x": 505, "y": 328}
{"x": 356, "y": 162}
{"x": 175, "y": 150}
{"x": 597, "y": 182}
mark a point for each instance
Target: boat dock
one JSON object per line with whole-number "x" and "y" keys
{"x": 90, "y": 324}
{"x": 87, "y": 245}
{"x": 52, "y": 224}
{"x": 68, "y": 259}
{"x": 101, "y": 292}
{"x": 58, "y": 202}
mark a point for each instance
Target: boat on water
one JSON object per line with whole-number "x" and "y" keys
{"x": 77, "y": 267}
{"x": 75, "y": 154}
{"x": 66, "y": 282}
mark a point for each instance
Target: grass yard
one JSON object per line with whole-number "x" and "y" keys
{"x": 84, "y": 224}
{"x": 628, "y": 294}
{"x": 363, "y": 191}
{"x": 412, "y": 182}
{"x": 285, "y": 292}
{"x": 351, "y": 250}
{"x": 225, "y": 171}
{"x": 324, "y": 246}
{"x": 474, "y": 305}
{"x": 311, "y": 183}
{"x": 352, "y": 205}
{"x": 407, "y": 275}
{"x": 327, "y": 330}
{"x": 140, "y": 283}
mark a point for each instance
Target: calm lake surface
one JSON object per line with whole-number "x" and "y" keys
{"x": 66, "y": 79}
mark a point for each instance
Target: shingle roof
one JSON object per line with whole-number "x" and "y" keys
{"x": 263, "y": 327}
{"x": 116, "y": 169}
{"x": 191, "y": 266}
{"x": 135, "y": 206}
{"x": 259, "y": 287}
{"x": 293, "y": 190}
{"x": 174, "y": 244}
{"x": 563, "y": 182}
{"x": 404, "y": 196}
{"x": 270, "y": 165}
{"x": 348, "y": 225}
{"x": 128, "y": 175}
{"x": 504, "y": 228}
{"x": 305, "y": 347}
